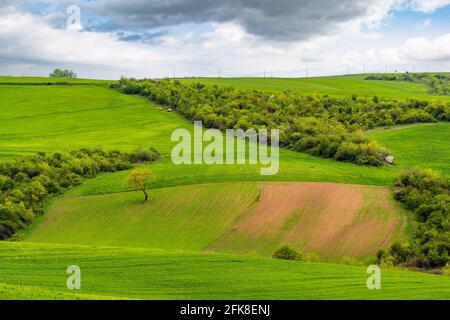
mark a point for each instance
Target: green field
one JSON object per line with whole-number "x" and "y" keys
{"x": 421, "y": 146}
{"x": 55, "y": 118}
{"x": 155, "y": 274}
{"x": 51, "y": 81}
{"x": 193, "y": 208}
{"x": 188, "y": 218}
{"x": 216, "y": 217}
{"x": 338, "y": 85}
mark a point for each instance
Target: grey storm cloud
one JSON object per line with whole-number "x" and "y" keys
{"x": 282, "y": 20}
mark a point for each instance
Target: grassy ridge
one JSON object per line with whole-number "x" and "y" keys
{"x": 140, "y": 273}
{"x": 338, "y": 85}
{"x": 54, "y": 81}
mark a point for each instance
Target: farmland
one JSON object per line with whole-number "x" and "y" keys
{"x": 158, "y": 274}
{"x": 208, "y": 231}
{"x": 337, "y": 86}
{"x": 232, "y": 218}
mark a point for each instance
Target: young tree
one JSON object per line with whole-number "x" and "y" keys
{"x": 140, "y": 180}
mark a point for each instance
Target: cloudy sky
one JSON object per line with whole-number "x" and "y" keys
{"x": 282, "y": 38}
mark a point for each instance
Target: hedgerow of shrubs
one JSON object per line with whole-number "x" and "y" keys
{"x": 427, "y": 194}
{"x": 329, "y": 127}
{"x": 26, "y": 182}
{"x": 439, "y": 84}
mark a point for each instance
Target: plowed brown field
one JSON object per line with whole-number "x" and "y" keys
{"x": 329, "y": 219}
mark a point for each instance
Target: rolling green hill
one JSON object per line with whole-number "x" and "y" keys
{"x": 55, "y": 118}
{"x": 338, "y": 85}
{"x": 153, "y": 274}
{"x": 332, "y": 220}
{"x": 192, "y": 216}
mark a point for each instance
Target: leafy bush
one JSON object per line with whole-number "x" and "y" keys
{"x": 144, "y": 155}
{"x": 66, "y": 73}
{"x": 427, "y": 194}
{"x": 286, "y": 253}
{"x": 26, "y": 182}
{"x": 446, "y": 270}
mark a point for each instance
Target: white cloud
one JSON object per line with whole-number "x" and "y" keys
{"x": 422, "y": 49}
{"x": 428, "y": 6}
{"x": 30, "y": 40}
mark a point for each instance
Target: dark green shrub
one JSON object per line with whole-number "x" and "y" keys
{"x": 286, "y": 253}
{"x": 427, "y": 194}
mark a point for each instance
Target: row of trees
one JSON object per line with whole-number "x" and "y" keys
{"x": 439, "y": 83}
{"x": 427, "y": 194}
{"x": 330, "y": 127}
{"x": 26, "y": 182}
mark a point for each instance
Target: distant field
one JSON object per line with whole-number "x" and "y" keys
{"x": 332, "y": 220}
{"x": 152, "y": 274}
{"x": 42, "y": 81}
{"x": 338, "y": 85}
{"x": 421, "y": 145}
{"x": 55, "y": 118}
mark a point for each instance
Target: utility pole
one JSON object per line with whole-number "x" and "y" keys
{"x": 173, "y": 74}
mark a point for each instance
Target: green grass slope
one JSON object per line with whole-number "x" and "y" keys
{"x": 338, "y": 85}
{"x": 231, "y": 217}
{"x": 54, "y": 118}
{"x": 421, "y": 145}
{"x": 187, "y": 218}
{"x": 149, "y": 274}
{"x": 22, "y": 292}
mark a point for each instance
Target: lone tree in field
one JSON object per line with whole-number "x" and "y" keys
{"x": 141, "y": 180}
{"x": 58, "y": 73}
